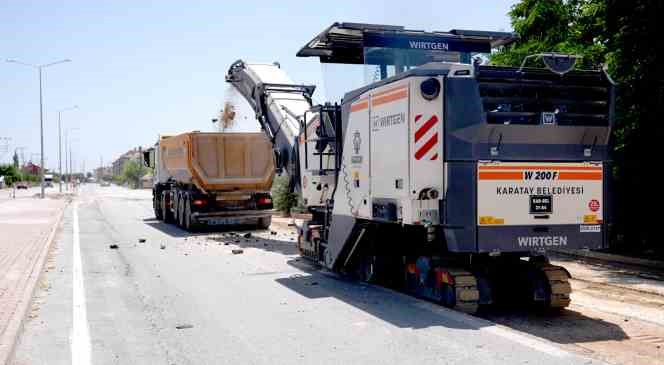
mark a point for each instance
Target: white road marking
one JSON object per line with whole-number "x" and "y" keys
{"x": 80, "y": 337}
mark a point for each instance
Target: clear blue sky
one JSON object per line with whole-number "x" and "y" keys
{"x": 146, "y": 67}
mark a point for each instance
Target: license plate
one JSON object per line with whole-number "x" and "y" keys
{"x": 223, "y": 221}
{"x": 541, "y": 204}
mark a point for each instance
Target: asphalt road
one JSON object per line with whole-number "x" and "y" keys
{"x": 194, "y": 302}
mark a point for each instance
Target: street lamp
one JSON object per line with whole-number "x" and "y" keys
{"x": 68, "y": 165}
{"x": 71, "y": 164}
{"x": 60, "y": 140}
{"x": 41, "y": 111}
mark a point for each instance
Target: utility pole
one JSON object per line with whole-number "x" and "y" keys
{"x": 41, "y": 114}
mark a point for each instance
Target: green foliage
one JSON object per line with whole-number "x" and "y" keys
{"x": 625, "y": 36}
{"x": 572, "y": 27}
{"x": 133, "y": 172}
{"x": 10, "y": 173}
{"x": 635, "y": 60}
{"x": 283, "y": 198}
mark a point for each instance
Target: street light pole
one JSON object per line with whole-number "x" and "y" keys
{"x": 68, "y": 153}
{"x": 60, "y": 150}
{"x": 41, "y": 134}
{"x": 66, "y": 169}
{"x": 41, "y": 114}
{"x": 60, "y": 142}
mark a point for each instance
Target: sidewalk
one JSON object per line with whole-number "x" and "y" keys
{"x": 27, "y": 227}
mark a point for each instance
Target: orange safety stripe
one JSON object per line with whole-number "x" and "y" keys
{"x": 580, "y": 176}
{"x": 584, "y": 168}
{"x": 394, "y": 89}
{"x": 359, "y": 106}
{"x": 501, "y": 175}
{"x": 389, "y": 98}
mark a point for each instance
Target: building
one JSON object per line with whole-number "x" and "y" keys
{"x": 31, "y": 169}
{"x": 104, "y": 173}
{"x": 135, "y": 154}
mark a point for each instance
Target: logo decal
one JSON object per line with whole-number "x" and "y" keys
{"x": 593, "y": 205}
{"x": 542, "y": 241}
{"x": 548, "y": 118}
{"x": 357, "y": 142}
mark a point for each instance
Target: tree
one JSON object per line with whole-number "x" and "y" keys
{"x": 10, "y": 173}
{"x": 284, "y": 198}
{"x": 133, "y": 172}
{"x": 572, "y": 27}
{"x": 624, "y": 36}
{"x": 635, "y": 59}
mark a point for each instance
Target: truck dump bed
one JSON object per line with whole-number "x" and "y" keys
{"x": 219, "y": 161}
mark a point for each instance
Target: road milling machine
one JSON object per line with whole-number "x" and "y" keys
{"x": 437, "y": 174}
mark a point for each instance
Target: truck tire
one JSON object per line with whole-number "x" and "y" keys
{"x": 189, "y": 225}
{"x": 165, "y": 210}
{"x": 180, "y": 211}
{"x": 265, "y": 222}
{"x": 158, "y": 210}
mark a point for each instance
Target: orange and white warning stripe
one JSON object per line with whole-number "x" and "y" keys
{"x": 426, "y": 137}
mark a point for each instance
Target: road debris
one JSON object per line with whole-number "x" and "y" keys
{"x": 237, "y": 251}
{"x": 184, "y": 326}
{"x": 113, "y": 246}
{"x": 141, "y": 240}
{"x": 163, "y": 246}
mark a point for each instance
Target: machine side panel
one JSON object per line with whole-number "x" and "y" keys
{"x": 463, "y": 111}
{"x": 343, "y": 220}
{"x": 460, "y": 207}
{"x": 389, "y": 142}
{"x": 426, "y": 153}
{"x": 354, "y": 193}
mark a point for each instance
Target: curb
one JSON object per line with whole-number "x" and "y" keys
{"x": 10, "y": 336}
{"x": 612, "y": 258}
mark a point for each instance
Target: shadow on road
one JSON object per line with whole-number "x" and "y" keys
{"x": 564, "y": 327}
{"x": 175, "y": 231}
{"x": 399, "y": 310}
{"x": 242, "y": 236}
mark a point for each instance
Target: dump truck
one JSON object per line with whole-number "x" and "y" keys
{"x": 442, "y": 176}
{"x": 212, "y": 179}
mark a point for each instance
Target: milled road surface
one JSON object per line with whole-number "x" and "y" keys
{"x": 194, "y": 302}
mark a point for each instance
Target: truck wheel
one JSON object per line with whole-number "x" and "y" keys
{"x": 180, "y": 211}
{"x": 265, "y": 222}
{"x": 158, "y": 211}
{"x": 165, "y": 210}
{"x": 188, "y": 224}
